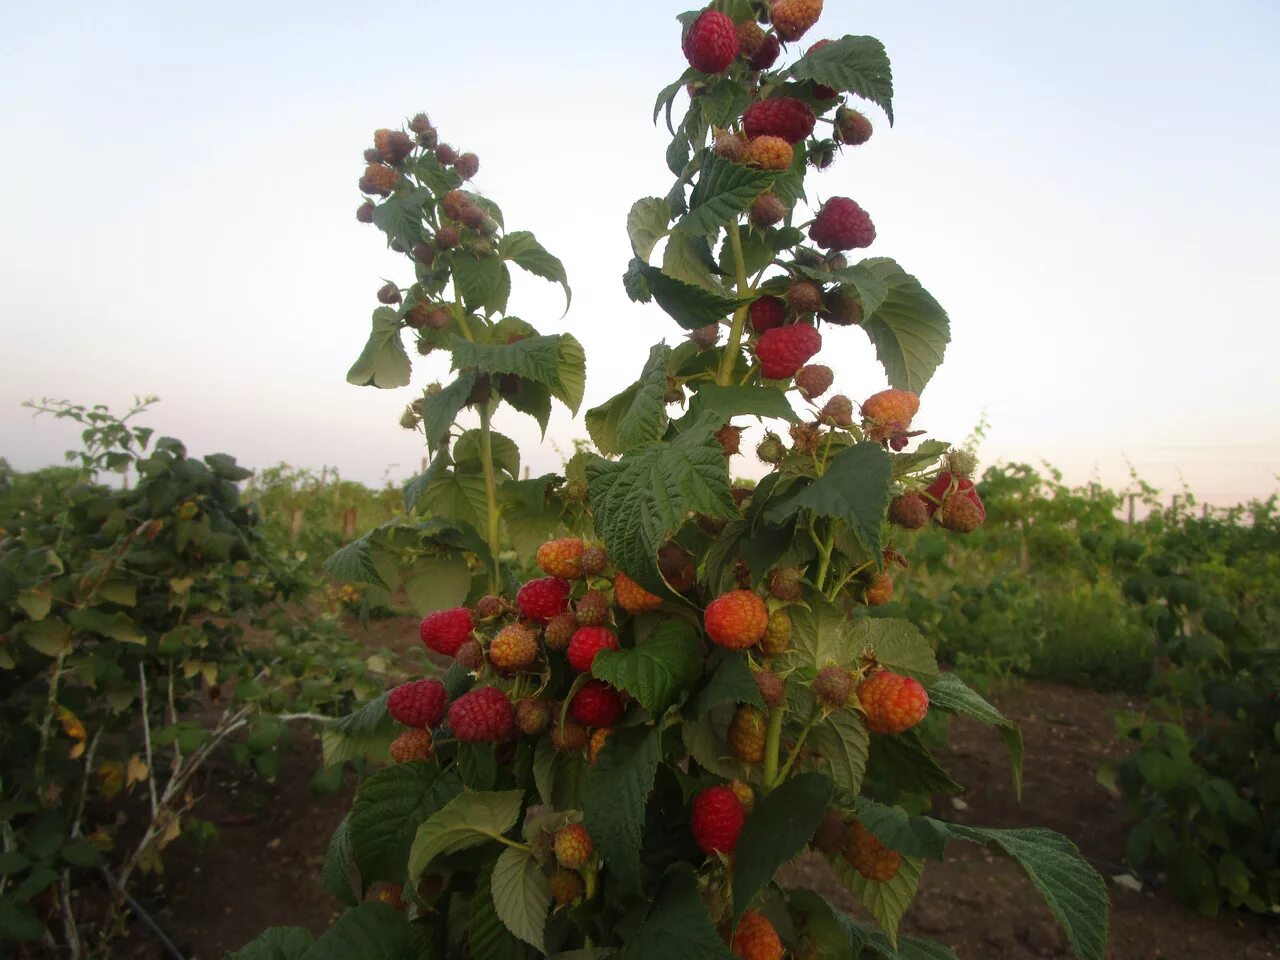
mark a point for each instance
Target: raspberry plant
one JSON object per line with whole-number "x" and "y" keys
{"x": 631, "y": 783}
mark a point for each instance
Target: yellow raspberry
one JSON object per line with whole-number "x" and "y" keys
{"x": 746, "y": 796}
{"x": 793, "y": 18}
{"x": 596, "y": 744}
{"x": 869, "y": 856}
{"x": 747, "y": 734}
{"x": 888, "y": 412}
{"x": 573, "y": 846}
{"x": 771, "y": 153}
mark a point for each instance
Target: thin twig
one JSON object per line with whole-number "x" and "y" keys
{"x": 74, "y": 946}
{"x": 146, "y": 740}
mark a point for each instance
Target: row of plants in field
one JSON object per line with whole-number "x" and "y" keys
{"x": 662, "y": 686}
{"x": 144, "y": 626}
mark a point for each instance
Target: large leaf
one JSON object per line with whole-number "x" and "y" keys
{"x": 897, "y": 645}
{"x": 854, "y": 64}
{"x": 523, "y": 249}
{"x": 820, "y": 634}
{"x": 689, "y": 305}
{"x": 371, "y": 931}
{"x": 723, "y": 191}
{"x": 647, "y": 224}
{"x": 338, "y": 871}
{"x": 723, "y": 402}
{"x": 383, "y": 363}
{"x": 657, "y": 669}
{"x": 687, "y": 258}
{"x": 400, "y": 216}
{"x": 437, "y": 583}
{"x": 441, "y": 408}
{"x": 389, "y": 807}
{"x": 118, "y": 626}
{"x": 902, "y": 763}
{"x": 778, "y": 829}
{"x": 521, "y": 896}
{"x": 843, "y": 741}
{"x": 838, "y": 936}
{"x": 640, "y": 500}
{"x": 366, "y": 732}
{"x": 637, "y": 415}
{"x": 910, "y": 329}
{"x": 353, "y": 563}
{"x": 555, "y": 361}
{"x": 677, "y": 926}
{"x": 871, "y": 290}
{"x": 854, "y": 489}
{"x": 614, "y": 798}
{"x": 487, "y": 936}
{"x": 950, "y": 693}
{"x": 468, "y": 820}
{"x": 277, "y": 943}
{"x": 887, "y": 902}
{"x": 479, "y": 280}
{"x": 920, "y": 837}
{"x": 729, "y": 680}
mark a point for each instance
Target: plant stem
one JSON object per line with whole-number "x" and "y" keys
{"x": 772, "y": 746}
{"x": 795, "y": 750}
{"x": 825, "y": 548}
{"x": 724, "y": 376}
{"x": 491, "y": 496}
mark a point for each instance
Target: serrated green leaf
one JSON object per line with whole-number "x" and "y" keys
{"x": 371, "y": 931}
{"x": 636, "y": 282}
{"x": 657, "y": 669}
{"x": 729, "y": 680}
{"x": 843, "y": 741}
{"x": 353, "y": 563}
{"x": 854, "y": 489}
{"x": 853, "y": 64}
{"x": 950, "y": 693}
{"x": 724, "y": 191}
{"x": 902, "y": 763}
{"x": 389, "y": 807}
{"x": 887, "y": 902}
{"x": 921, "y": 458}
{"x": 869, "y": 288}
{"x": 440, "y": 410}
{"x": 457, "y": 497}
{"x": 687, "y": 258}
{"x": 435, "y": 175}
{"x": 820, "y": 634}
{"x": 366, "y": 731}
{"x": 647, "y": 224}
{"x": 276, "y": 943}
{"x": 400, "y": 216}
{"x": 521, "y": 896}
{"x": 640, "y": 500}
{"x": 524, "y": 250}
{"x": 705, "y": 741}
{"x": 897, "y": 645}
{"x": 757, "y": 251}
{"x": 338, "y": 872}
{"x": 780, "y": 827}
{"x": 118, "y": 626}
{"x": 35, "y": 603}
{"x": 910, "y": 329}
{"x": 677, "y": 926}
{"x": 477, "y": 279}
{"x": 724, "y": 102}
{"x": 467, "y": 820}
{"x": 638, "y": 414}
{"x": 556, "y": 361}
{"x": 919, "y": 837}
{"x": 614, "y": 798}
{"x": 487, "y": 936}
{"x": 725, "y": 402}
{"x": 690, "y": 306}
{"x": 383, "y": 363}
{"x": 506, "y": 455}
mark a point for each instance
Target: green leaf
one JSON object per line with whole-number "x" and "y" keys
{"x": 723, "y": 191}
{"x": 18, "y": 922}
{"x": 354, "y": 564}
{"x": 729, "y": 680}
{"x": 871, "y": 290}
{"x": 950, "y": 693}
{"x": 523, "y": 249}
{"x": 647, "y": 224}
{"x": 506, "y": 455}
{"x": 477, "y": 765}
{"x": 366, "y": 731}
{"x": 441, "y": 409}
{"x": 688, "y": 258}
{"x": 920, "y": 837}
{"x": 555, "y": 361}
{"x": 910, "y": 329}
{"x": 852, "y": 64}
{"x": 487, "y": 936}
{"x": 840, "y": 937}
{"x": 338, "y": 871}
{"x": 49, "y": 637}
{"x": 435, "y": 175}
{"x": 457, "y": 497}
{"x": 118, "y": 626}
{"x": 400, "y": 216}
{"x": 636, "y": 282}
{"x": 667, "y": 95}
{"x": 757, "y": 251}
{"x": 705, "y": 741}
{"x": 276, "y": 943}
{"x": 854, "y": 488}
{"x": 118, "y": 591}
{"x": 724, "y": 102}
{"x": 715, "y": 401}
{"x": 897, "y": 645}
{"x": 533, "y": 399}
{"x": 820, "y": 634}
{"x": 371, "y": 931}
{"x": 779, "y": 828}
{"x": 657, "y": 669}
{"x": 35, "y": 603}
{"x": 637, "y": 415}
{"x": 922, "y": 457}
{"x": 521, "y": 896}
{"x": 389, "y": 807}
{"x": 383, "y": 362}
{"x": 690, "y": 306}
{"x": 437, "y": 583}
{"x": 467, "y": 820}
{"x": 902, "y": 763}
{"x": 478, "y": 279}
{"x": 614, "y": 798}
{"x": 843, "y": 741}
{"x": 678, "y": 926}
{"x": 887, "y": 902}
{"x": 1070, "y": 886}
{"x": 640, "y": 500}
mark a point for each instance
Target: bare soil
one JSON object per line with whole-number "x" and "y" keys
{"x": 263, "y": 870}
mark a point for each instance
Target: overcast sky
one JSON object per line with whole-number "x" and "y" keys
{"x": 1090, "y": 189}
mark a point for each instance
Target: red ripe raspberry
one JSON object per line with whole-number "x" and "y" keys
{"x": 893, "y": 703}
{"x": 573, "y": 846}
{"x": 755, "y": 938}
{"x": 561, "y": 558}
{"x": 793, "y": 18}
{"x": 632, "y": 597}
{"x": 814, "y": 380}
{"x": 446, "y": 630}
{"x": 566, "y": 885}
{"x": 515, "y": 647}
{"x": 909, "y": 511}
{"x": 746, "y": 734}
{"x": 766, "y": 313}
{"x": 419, "y": 703}
{"x": 364, "y": 212}
{"x": 821, "y": 91}
{"x": 543, "y": 599}
{"x": 955, "y": 502}
{"x": 869, "y": 856}
{"x": 711, "y": 43}
{"x": 785, "y": 350}
{"x": 596, "y": 705}
{"x": 832, "y": 685}
{"x": 410, "y": 746}
{"x": 736, "y": 620}
{"x": 842, "y": 225}
{"x": 482, "y": 716}
{"x": 880, "y": 590}
{"x": 767, "y": 55}
{"x": 446, "y": 154}
{"x": 784, "y": 117}
{"x": 716, "y": 820}
{"x": 771, "y": 153}
{"x": 586, "y": 643}
{"x": 852, "y": 127}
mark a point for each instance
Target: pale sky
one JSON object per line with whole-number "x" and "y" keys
{"x": 1092, "y": 190}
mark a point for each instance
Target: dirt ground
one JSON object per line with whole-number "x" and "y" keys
{"x": 263, "y": 869}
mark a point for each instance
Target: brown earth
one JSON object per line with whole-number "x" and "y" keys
{"x": 263, "y": 869}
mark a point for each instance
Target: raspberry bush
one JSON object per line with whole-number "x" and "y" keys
{"x": 691, "y": 718}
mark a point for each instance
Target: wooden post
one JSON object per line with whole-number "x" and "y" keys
{"x": 295, "y": 523}
{"x": 349, "y": 524}
{"x": 1132, "y": 499}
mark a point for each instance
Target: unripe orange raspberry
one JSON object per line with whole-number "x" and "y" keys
{"x": 382, "y": 178}
{"x": 893, "y": 703}
{"x": 392, "y": 145}
{"x": 771, "y": 153}
{"x": 573, "y": 846}
{"x": 514, "y": 648}
{"x": 755, "y": 938}
{"x": 569, "y": 737}
{"x": 632, "y": 597}
{"x": 777, "y": 634}
{"x": 888, "y": 412}
{"x": 392, "y": 894}
{"x": 747, "y": 734}
{"x": 736, "y": 619}
{"x": 793, "y": 18}
{"x": 597, "y": 742}
{"x": 830, "y": 835}
{"x": 746, "y": 796}
{"x": 880, "y": 590}
{"x": 411, "y": 745}
{"x": 869, "y": 856}
{"x": 562, "y": 558}
{"x": 566, "y": 885}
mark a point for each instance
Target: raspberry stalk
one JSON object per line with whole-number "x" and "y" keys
{"x": 730, "y": 356}
{"x": 773, "y": 746}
